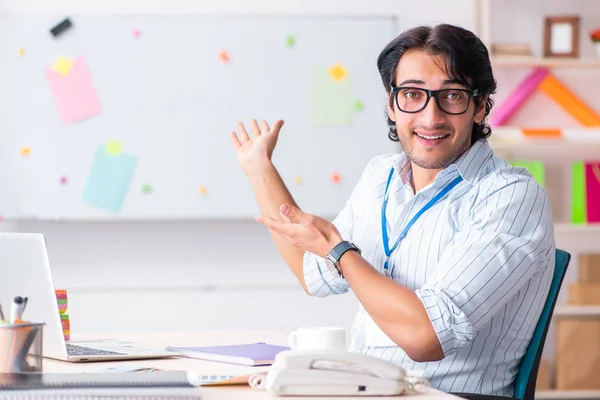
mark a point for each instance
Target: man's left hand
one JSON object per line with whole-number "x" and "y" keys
{"x": 308, "y": 232}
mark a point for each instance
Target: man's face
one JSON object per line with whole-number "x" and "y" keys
{"x": 431, "y": 138}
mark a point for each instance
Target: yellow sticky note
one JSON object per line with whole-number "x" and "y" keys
{"x": 203, "y": 190}
{"x": 25, "y": 151}
{"x": 337, "y": 72}
{"x": 63, "y": 66}
{"x": 21, "y": 51}
{"x": 113, "y": 147}
{"x": 298, "y": 181}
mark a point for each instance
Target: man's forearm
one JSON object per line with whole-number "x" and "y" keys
{"x": 270, "y": 192}
{"x": 395, "y": 308}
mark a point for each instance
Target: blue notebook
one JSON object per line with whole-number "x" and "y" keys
{"x": 253, "y": 354}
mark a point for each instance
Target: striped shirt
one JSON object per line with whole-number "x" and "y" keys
{"x": 481, "y": 261}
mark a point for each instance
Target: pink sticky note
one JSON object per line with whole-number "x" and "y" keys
{"x": 74, "y": 94}
{"x": 592, "y": 186}
{"x": 137, "y": 33}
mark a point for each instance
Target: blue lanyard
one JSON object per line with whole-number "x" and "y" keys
{"x": 384, "y": 232}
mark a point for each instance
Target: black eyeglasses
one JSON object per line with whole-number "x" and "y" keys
{"x": 450, "y": 101}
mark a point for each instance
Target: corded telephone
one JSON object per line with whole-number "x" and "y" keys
{"x": 335, "y": 373}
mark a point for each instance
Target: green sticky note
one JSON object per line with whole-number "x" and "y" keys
{"x": 332, "y": 100}
{"x": 113, "y": 147}
{"x": 358, "y": 105}
{"x": 289, "y": 41}
{"x": 535, "y": 168}
{"x": 578, "y": 195}
{"x": 147, "y": 189}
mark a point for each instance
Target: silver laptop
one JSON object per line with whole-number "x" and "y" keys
{"x": 25, "y": 271}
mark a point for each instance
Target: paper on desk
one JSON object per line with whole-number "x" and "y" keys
{"x": 332, "y": 99}
{"x": 128, "y": 368}
{"x": 74, "y": 93}
{"x": 109, "y": 180}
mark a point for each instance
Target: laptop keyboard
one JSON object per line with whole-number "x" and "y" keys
{"x": 74, "y": 350}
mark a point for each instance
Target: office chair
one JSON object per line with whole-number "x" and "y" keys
{"x": 528, "y": 369}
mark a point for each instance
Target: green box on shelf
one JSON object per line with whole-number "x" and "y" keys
{"x": 535, "y": 168}
{"x": 585, "y": 192}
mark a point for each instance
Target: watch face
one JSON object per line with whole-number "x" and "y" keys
{"x": 331, "y": 267}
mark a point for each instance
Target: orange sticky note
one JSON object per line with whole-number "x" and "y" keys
{"x": 224, "y": 56}
{"x": 25, "y": 151}
{"x": 336, "y": 177}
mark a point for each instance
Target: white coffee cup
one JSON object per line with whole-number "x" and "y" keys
{"x": 318, "y": 338}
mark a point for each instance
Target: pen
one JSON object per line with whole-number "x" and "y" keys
{"x": 16, "y": 311}
{"x": 2, "y": 314}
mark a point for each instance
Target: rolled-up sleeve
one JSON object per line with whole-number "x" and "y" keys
{"x": 505, "y": 238}
{"x": 319, "y": 281}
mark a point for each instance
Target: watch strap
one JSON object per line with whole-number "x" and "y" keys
{"x": 338, "y": 251}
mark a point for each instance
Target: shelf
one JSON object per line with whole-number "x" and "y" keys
{"x": 567, "y": 228}
{"x": 516, "y": 61}
{"x": 567, "y": 394}
{"x": 546, "y": 145}
{"x": 576, "y": 311}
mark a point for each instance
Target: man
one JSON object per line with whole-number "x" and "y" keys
{"x": 449, "y": 250}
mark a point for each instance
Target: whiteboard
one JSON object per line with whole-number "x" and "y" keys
{"x": 169, "y": 99}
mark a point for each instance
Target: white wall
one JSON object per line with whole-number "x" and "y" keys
{"x": 160, "y": 275}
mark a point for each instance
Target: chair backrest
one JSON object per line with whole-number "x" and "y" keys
{"x": 528, "y": 370}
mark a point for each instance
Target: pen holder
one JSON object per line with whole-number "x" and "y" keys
{"x": 21, "y": 347}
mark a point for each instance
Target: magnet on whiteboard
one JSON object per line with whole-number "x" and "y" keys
{"x": 61, "y": 27}
{"x": 336, "y": 177}
{"x": 224, "y": 56}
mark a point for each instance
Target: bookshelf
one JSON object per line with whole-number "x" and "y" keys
{"x": 557, "y": 153}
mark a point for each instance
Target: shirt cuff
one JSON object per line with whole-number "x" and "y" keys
{"x": 319, "y": 281}
{"x": 451, "y": 325}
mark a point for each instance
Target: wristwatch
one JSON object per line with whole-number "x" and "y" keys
{"x": 332, "y": 261}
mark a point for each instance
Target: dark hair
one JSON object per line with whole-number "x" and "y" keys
{"x": 465, "y": 56}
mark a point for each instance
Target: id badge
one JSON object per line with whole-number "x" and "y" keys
{"x": 374, "y": 336}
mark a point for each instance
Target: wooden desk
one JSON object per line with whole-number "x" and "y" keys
{"x": 200, "y": 338}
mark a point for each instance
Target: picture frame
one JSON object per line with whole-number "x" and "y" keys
{"x": 561, "y": 36}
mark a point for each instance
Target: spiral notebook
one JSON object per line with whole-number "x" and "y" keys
{"x": 254, "y": 354}
{"x": 156, "y": 379}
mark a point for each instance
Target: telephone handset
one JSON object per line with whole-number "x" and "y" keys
{"x": 334, "y": 373}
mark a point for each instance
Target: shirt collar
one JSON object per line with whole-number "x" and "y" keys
{"x": 469, "y": 164}
{"x": 402, "y": 165}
